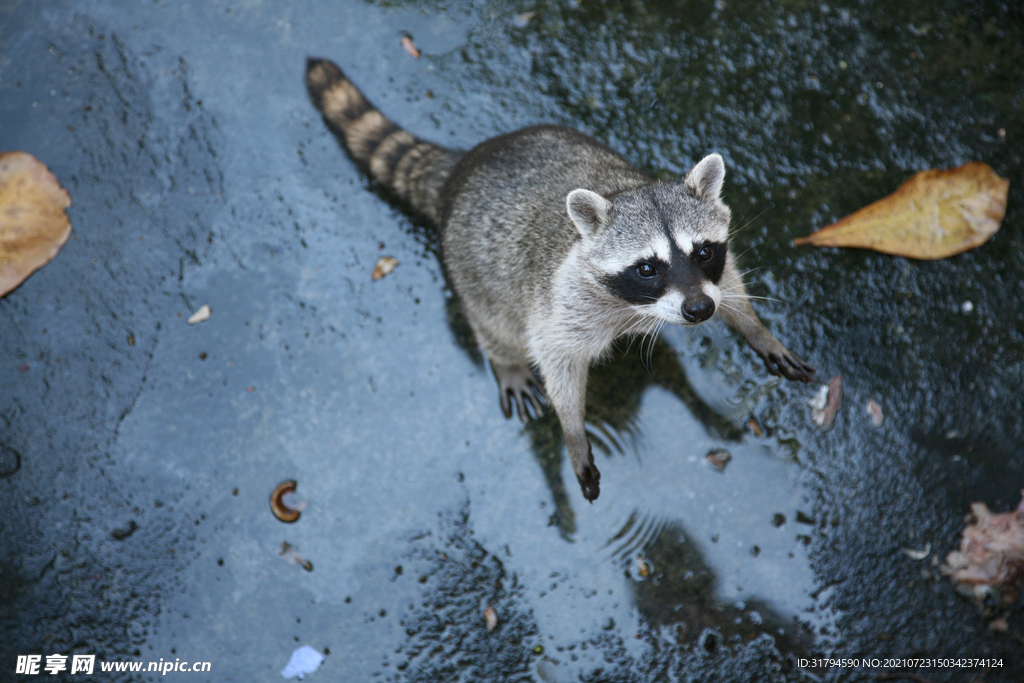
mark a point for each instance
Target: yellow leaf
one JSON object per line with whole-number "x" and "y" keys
{"x": 33, "y": 225}
{"x": 934, "y": 214}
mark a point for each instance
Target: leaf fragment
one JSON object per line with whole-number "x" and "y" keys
{"x": 33, "y": 224}
{"x": 202, "y": 314}
{"x": 490, "y": 618}
{"x": 410, "y": 47}
{"x": 718, "y": 459}
{"x": 384, "y": 265}
{"x": 875, "y": 412}
{"x": 918, "y": 554}
{"x": 933, "y": 215}
{"x": 990, "y": 560}
{"x": 825, "y": 404}
{"x": 290, "y": 553}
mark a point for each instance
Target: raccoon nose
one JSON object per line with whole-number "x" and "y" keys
{"x": 699, "y": 308}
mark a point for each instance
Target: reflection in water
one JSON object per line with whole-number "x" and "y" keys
{"x": 684, "y": 625}
{"x": 673, "y": 586}
{"x": 614, "y": 392}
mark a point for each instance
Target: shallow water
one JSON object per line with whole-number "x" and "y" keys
{"x": 137, "y": 453}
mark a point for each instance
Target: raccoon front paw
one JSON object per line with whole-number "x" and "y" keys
{"x": 518, "y": 383}
{"x": 590, "y": 479}
{"x": 787, "y": 365}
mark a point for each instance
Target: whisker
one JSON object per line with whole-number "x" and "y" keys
{"x": 628, "y": 327}
{"x": 653, "y": 336}
{"x": 738, "y": 311}
{"x": 738, "y": 276}
{"x": 644, "y": 356}
{"x": 739, "y": 297}
{"x": 740, "y": 228}
{"x": 630, "y": 331}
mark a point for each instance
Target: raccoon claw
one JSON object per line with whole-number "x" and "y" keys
{"x": 590, "y": 482}
{"x": 586, "y": 471}
{"x": 519, "y": 384}
{"x": 789, "y": 366}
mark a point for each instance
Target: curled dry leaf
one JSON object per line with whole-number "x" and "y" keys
{"x": 285, "y": 502}
{"x": 825, "y": 404}
{"x": 990, "y": 560}
{"x": 918, "y": 554}
{"x": 717, "y": 460}
{"x": 934, "y": 214}
{"x": 875, "y": 412}
{"x": 410, "y": 47}
{"x": 490, "y": 618}
{"x": 384, "y": 265}
{"x": 200, "y": 315}
{"x": 33, "y": 224}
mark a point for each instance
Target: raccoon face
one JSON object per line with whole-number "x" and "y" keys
{"x": 682, "y": 289}
{"x": 661, "y": 248}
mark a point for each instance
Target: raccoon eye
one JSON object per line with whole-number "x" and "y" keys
{"x": 646, "y": 270}
{"x": 705, "y": 254}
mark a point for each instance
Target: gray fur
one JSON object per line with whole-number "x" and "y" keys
{"x": 412, "y": 169}
{"x": 541, "y": 231}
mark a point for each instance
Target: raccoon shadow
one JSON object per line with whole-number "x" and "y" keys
{"x": 614, "y": 392}
{"x": 673, "y": 587}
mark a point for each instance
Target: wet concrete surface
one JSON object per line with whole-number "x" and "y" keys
{"x": 137, "y": 453}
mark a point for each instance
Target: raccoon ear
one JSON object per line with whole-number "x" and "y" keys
{"x": 705, "y": 179}
{"x": 588, "y": 210}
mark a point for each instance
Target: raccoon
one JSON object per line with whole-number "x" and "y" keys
{"x": 557, "y": 246}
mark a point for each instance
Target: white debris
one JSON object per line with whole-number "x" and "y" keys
{"x": 305, "y": 660}
{"x": 918, "y": 554}
{"x": 818, "y": 401}
{"x": 875, "y": 411}
{"x": 199, "y": 316}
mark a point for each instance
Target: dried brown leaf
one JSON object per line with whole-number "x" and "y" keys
{"x": 717, "y": 460}
{"x": 934, "y": 214}
{"x": 825, "y": 404}
{"x": 490, "y": 618}
{"x": 410, "y": 47}
{"x": 285, "y": 503}
{"x": 875, "y": 412}
{"x": 384, "y": 265}
{"x": 33, "y": 224}
{"x": 991, "y": 555}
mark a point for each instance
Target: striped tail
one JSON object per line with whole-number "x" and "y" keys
{"x": 413, "y": 170}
